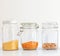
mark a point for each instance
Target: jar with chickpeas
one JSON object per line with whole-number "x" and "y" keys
{"x": 50, "y": 36}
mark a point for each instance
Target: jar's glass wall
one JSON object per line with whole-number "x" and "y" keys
{"x": 28, "y": 35}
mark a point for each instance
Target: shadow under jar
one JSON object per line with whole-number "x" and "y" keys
{"x": 49, "y": 36}
{"x": 28, "y": 34}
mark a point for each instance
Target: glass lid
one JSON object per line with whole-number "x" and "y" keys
{"x": 29, "y": 25}
{"x": 49, "y": 25}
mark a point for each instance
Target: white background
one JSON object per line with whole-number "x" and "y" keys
{"x": 30, "y": 11}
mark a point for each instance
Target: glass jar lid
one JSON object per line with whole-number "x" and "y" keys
{"x": 9, "y": 22}
{"x": 29, "y": 25}
{"x": 49, "y": 25}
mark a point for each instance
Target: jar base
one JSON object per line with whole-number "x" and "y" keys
{"x": 29, "y": 49}
{"x": 50, "y": 49}
{"x": 9, "y": 50}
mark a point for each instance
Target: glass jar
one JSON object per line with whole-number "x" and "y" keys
{"x": 10, "y": 40}
{"x": 28, "y": 34}
{"x": 50, "y": 36}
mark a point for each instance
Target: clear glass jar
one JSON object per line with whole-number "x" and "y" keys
{"x": 28, "y": 36}
{"x": 49, "y": 36}
{"x": 10, "y": 40}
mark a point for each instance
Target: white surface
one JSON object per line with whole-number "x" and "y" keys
{"x": 30, "y": 11}
{"x": 30, "y": 53}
